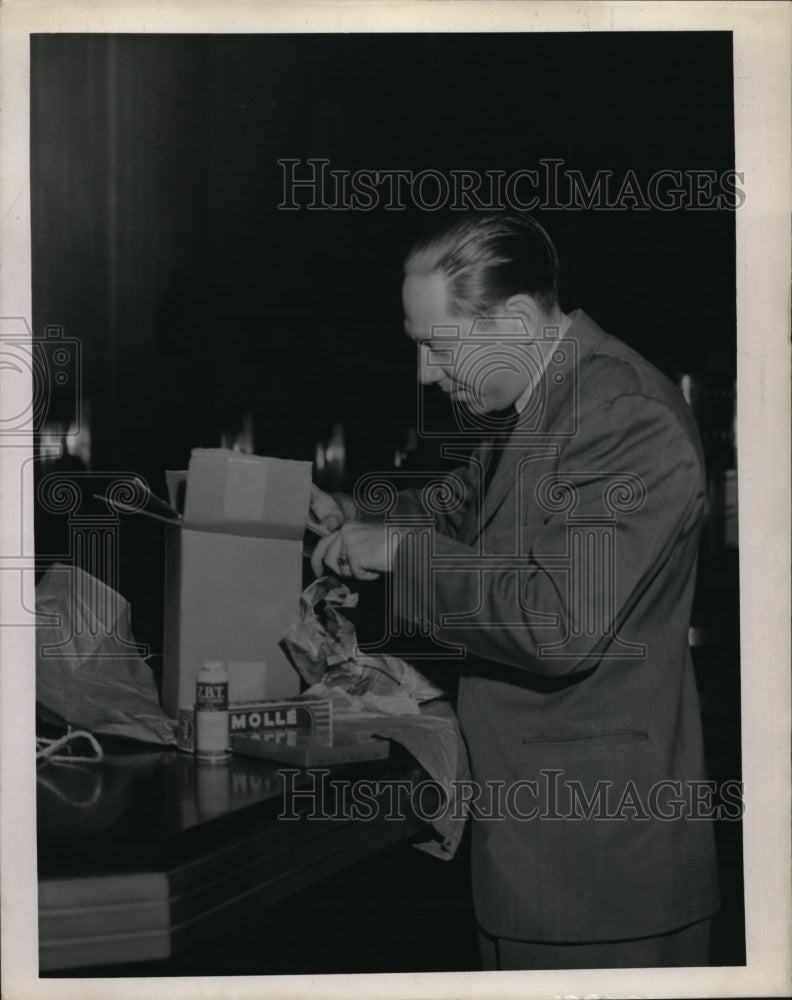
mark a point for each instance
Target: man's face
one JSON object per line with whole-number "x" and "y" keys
{"x": 482, "y": 366}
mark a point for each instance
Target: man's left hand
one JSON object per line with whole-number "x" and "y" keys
{"x": 356, "y": 550}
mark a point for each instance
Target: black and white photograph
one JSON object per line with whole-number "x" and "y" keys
{"x": 395, "y": 554}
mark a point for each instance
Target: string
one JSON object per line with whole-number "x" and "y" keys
{"x": 47, "y": 749}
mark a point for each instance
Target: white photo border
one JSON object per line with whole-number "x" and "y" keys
{"x": 762, "y": 72}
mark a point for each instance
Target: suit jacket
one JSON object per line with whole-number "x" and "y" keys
{"x": 570, "y": 587}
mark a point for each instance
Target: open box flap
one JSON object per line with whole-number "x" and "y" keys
{"x": 252, "y": 495}
{"x": 145, "y": 503}
{"x": 230, "y": 493}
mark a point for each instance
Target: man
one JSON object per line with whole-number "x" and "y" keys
{"x": 567, "y": 571}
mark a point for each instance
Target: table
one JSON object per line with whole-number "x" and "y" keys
{"x": 149, "y": 852}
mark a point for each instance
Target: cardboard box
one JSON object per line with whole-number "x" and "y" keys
{"x": 233, "y": 573}
{"x": 287, "y": 747}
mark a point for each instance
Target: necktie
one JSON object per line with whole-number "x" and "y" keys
{"x": 506, "y": 424}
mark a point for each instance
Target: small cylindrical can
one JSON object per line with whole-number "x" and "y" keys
{"x": 185, "y": 733}
{"x": 211, "y": 713}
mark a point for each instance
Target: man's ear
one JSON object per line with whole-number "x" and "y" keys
{"x": 526, "y": 309}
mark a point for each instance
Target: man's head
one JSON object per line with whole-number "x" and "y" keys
{"x": 492, "y": 278}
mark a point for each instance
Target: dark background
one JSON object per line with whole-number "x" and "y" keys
{"x": 159, "y": 246}
{"x": 157, "y": 240}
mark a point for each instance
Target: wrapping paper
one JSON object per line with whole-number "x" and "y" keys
{"x": 87, "y": 668}
{"x": 379, "y": 696}
{"x": 434, "y": 739}
{"x": 322, "y": 645}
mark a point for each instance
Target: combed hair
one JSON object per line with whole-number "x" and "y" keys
{"x": 488, "y": 257}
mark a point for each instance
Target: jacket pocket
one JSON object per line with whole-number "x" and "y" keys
{"x": 585, "y": 741}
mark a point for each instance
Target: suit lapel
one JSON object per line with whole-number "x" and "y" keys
{"x": 470, "y": 527}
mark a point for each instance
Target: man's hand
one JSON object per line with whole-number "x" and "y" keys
{"x": 356, "y": 550}
{"x": 326, "y": 510}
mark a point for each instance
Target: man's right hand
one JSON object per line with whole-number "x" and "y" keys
{"x": 327, "y": 510}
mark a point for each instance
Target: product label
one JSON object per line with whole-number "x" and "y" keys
{"x": 211, "y": 697}
{"x": 296, "y": 717}
{"x": 185, "y": 737}
{"x": 309, "y": 718}
{"x": 288, "y": 737}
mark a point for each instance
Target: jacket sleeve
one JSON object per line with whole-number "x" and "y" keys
{"x": 451, "y": 494}
{"x": 524, "y": 616}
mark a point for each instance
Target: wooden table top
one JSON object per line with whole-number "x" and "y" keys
{"x": 149, "y": 851}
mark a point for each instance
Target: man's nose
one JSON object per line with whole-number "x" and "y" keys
{"x": 434, "y": 365}
{"x": 428, "y": 374}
